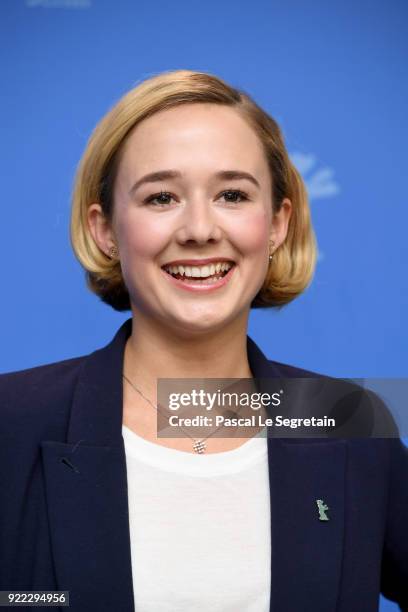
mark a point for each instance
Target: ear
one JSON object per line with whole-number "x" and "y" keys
{"x": 100, "y": 228}
{"x": 280, "y": 223}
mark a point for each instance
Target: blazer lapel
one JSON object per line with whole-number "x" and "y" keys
{"x": 86, "y": 488}
{"x": 306, "y": 551}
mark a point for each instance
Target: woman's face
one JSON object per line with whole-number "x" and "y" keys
{"x": 203, "y": 213}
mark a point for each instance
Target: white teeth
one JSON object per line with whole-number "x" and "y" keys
{"x": 200, "y": 271}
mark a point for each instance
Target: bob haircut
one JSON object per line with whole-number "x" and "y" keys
{"x": 293, "y": 263}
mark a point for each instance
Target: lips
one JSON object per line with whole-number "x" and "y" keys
{"x": 197, "y": 262}
{"x": 201, "y": 284}
{"x": 211, "y": 270}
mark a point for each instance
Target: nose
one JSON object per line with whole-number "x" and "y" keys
{"x": 198, "y": 223}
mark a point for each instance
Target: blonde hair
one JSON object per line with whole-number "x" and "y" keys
{"x": 293, "y": 264}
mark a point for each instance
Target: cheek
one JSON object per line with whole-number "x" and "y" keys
{"x": 141, "y": 239}
{"x": 251, "y": 233}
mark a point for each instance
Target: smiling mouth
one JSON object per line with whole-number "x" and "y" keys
{"x": 206, "y": 274}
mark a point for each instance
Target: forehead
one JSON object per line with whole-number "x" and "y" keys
{"x": 201, "y": 135}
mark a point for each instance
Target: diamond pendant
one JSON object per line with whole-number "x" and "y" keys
{"x": 199, "y": 446}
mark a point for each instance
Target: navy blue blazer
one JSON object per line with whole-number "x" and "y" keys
{"x": 64, "y": 505}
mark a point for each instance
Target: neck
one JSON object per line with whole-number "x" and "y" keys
{"x": 153, "y": 352}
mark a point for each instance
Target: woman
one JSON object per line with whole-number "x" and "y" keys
{"x": 188, "y": 211}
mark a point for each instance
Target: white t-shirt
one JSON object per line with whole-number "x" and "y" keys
{"x": 199, "y": 527}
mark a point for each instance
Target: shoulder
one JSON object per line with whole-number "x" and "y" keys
{"x": 358, "y": 410}
{"x": 291, "y": 371}
{"x": 39, "y": 394}
{"x": 40, "y": 377}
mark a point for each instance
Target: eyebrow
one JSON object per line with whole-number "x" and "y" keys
{"x": 162, "y": 175}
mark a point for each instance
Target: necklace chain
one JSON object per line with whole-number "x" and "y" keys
{"x": 199, "y": 445}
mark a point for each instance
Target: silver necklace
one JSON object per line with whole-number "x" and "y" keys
{"x": 199, "y": 446}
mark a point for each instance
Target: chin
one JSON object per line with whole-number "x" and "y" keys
{"x": 196, "y": 325}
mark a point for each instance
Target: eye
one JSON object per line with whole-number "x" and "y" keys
{"x": 160, "y": 197}
{"x": 234, "y": 193}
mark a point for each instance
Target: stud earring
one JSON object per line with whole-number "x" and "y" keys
{"x": 113, "y": 252}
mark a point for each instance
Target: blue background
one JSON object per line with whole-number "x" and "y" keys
{"x": 333, "y": 75}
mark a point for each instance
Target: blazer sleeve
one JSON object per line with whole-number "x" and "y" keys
{"x": 394, "y": 575}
